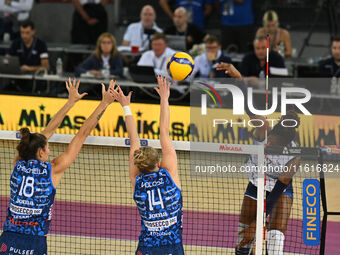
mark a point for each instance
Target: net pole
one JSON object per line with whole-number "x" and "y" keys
{"x": 260, "y": 203}
{"x": 261, "y": 191}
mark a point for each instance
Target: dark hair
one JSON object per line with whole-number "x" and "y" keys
{"x": 336, "y": 38}
{"x": 30, "y": 143}
{"x": 212, "y": 39}
{"x": 157, "y": 36}
{"x": 27, "y": 23}
{"x": 286, "y": 134}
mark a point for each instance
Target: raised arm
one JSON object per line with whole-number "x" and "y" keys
{"x": 73, "y": 97}
{"x": 62, "y": 162}
{"x": 169, "y": 157}
{"x": 257, "y": 120}
{"x": 166, "y": 8}
{"x": 131, "y": 129}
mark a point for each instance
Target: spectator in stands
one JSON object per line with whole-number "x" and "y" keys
{"x": 106, "y": 53}
{"x": 14, "y": 12}
{"x": 89, "y": 21}
{"x": 140, "y": 33}
{"x": 205, "y": 64}
{"x": 158, "y": 56}
{"x": 32, "y": 51}
{"x": 279, "y": 38}
{"x": 331, "y": 65}
{"x": 181, "y": 27}
{"x": 197, "y": 10}
{"x": 237, "y": 24}
{"x": 255, "y": 62}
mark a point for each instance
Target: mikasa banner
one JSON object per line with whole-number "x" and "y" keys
{"x": 35, "y": 112}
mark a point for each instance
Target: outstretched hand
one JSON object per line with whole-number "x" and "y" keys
{"x": 163, "y": 89}
{"x": 229, "y": 69}
{"x": 107, "y": 95}
{"x": 72, "y": 88}
{"x": 121, "y": 98}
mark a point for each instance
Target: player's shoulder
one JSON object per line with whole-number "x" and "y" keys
{"x": 148, "y": 54}
{"x": 284, "y": 32}
{"x": 133, "y": 27}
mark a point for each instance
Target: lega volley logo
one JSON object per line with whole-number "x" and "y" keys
{"x": 206, "y": 89}
{"x": 3, "y": 247}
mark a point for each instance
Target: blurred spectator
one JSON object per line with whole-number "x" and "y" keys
{"x": 105, "y": 53}
{"x": 158, "y": 56}
{"x": 140, "y": 33}
{"x": 197, "y": 9}
{"x": 32, "y": 51}
{"x": 331, "y": 65}
{"x": 181, "y": 27}
{"x": 205, "y": 64}
{"x": 279, "y": 38}
{"x": 237, "y": 24}
{"x": 14, "y": 12}
{"x": 89, "y": 21}
{"x": 255, "y": 62}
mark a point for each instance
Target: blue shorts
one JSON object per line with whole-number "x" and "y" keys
{"x": 12, "y": 243}
{"x": 176, "y": 249}
{"x": 251, "y": 191}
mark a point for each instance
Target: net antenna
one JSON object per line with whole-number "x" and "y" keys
{"x": 261, "y": 191}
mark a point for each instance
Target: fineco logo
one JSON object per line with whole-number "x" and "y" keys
{"x": 3, "y": 248}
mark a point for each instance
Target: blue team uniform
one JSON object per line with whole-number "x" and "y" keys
{"x": 234, "y": 14}
{"x": 195, "y": 8}
{"x": 159, "y": 202}
{"x": 30, "y": 208}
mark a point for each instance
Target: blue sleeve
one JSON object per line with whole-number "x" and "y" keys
{"x": 87, "y": 65}
{"x": 116, "y": 65}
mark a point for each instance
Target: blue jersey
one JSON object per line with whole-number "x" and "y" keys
{"x": 32, "y": 197}
{"x": 195, "y": 9}
{"x": 236, "y": 14}
{"x": 159, "y": 202}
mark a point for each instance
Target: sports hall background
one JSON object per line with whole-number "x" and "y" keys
{"x": 97, "y": 184}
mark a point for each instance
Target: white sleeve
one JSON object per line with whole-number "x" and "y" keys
{"x": 22, "y": 5}
{"x": 128, "y": 34}
{"x": 196, "y": 67}
{"x": 146, "y": 59}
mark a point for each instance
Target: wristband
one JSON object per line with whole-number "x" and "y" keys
{"x": 127, "y": 110}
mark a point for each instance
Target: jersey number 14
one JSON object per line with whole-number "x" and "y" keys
{"x": 152, "y": 202}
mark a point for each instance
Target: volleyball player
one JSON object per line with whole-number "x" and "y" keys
{"x": 156, "y": 184}
{"x": 279, "y": 185}
{"x": 34, "y": 179}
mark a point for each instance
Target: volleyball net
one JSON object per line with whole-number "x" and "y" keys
{"x": 94, "y": 212}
